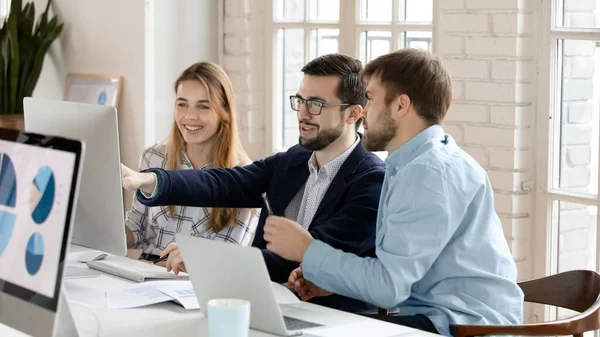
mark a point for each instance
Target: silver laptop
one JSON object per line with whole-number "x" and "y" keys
{"x": 225, "y": 270}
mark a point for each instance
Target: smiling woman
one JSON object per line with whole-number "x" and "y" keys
{"x": 203, "y": 135}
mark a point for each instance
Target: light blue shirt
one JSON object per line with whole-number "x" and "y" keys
{"x": 440, "y": 247}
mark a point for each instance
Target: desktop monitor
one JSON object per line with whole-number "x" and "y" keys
{"x": 100, "y": 218}
{"x": 39, "y": 182}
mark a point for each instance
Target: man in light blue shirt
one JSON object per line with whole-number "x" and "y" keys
{"x": 441, "y": 255}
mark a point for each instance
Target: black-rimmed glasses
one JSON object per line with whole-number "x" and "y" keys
{"x": 313, "y": 107}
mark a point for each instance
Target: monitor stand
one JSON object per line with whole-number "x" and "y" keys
{"x": 63, "y": 326}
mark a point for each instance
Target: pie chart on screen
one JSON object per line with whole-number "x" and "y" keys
{"x": 34, "y": 254}
{"x": 42, "y": 195}
{"x": 8, "y": 200}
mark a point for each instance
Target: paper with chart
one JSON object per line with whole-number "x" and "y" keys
{"x": 181, "y": 292}
{"x": 148, "y": 293}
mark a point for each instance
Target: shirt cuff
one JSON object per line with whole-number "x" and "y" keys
{"x": 313, "y": 257}
{"x": 153, "y": 190}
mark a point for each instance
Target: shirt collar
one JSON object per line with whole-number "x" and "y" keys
{"x": 332, "y": 168}
{"x": 187, "y": 163}
{"x": 406, "y": 152}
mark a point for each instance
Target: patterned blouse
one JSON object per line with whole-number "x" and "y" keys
{"x": 154, "y": 228}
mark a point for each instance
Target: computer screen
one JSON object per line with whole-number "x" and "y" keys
{"x": 36, "y": 194}
{"x": 100, "y": 219}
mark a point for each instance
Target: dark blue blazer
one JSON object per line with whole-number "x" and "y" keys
{"x": 345, "y": 218}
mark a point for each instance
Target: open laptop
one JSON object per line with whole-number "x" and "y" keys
{"x": 238, "y": 272}
{"x": 39, "y": 182}
{"x": 100, "y": 219}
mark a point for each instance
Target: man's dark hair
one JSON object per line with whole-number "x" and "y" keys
{"x": 417, "y": 74}
{"x": 351, "y": 89}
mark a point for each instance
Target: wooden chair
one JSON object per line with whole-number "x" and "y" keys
{"x": 576, "y": 290}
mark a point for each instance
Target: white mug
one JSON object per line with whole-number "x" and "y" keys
{"x": 228, "y": 317}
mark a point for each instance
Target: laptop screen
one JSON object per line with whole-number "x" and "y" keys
{"x": 37, "y": 176}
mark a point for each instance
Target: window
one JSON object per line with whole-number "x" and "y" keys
{"x": 305, "y": 29}
{"x": 4, "y": 10}
{"x": 568, "y": 200}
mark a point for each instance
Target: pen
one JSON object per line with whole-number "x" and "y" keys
{"x": 264, "y": 196}
{"x": 161, "y": 259}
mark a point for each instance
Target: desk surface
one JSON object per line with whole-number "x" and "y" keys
{"x": 87, "y": 301}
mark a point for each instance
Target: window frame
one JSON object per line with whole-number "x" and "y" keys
{"x": 349, "y": 28}
{"x": 545, "y": 219}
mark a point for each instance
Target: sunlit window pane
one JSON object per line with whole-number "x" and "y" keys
{"x": 323, "y": 41}
{"x": 288, "y": 10}
{"x": 578, "y": 13}
{"x": 415, "y": 10}
{"x": 576, "y": 145}
{"x": 324, "y": 10}
{"x": 374, "y": 44}
{"x": 375, "y": 10}
{"x": 576, "y": 239}
{"x": 415, "y": 40}
{"x": 290, "y": 53}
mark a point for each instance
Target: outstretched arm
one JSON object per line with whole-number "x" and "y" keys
{"x": 238, "y": 187}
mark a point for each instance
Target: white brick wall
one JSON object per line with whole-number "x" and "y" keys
{"x": 241, "y": 55}
{"x": 491, "y": 112}
{"x": 465, "y": 22}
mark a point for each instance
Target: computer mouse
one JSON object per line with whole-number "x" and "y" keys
{"x": 93, "y": 255}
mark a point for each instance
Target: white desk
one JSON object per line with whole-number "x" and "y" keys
{"x": 86, "y": 299}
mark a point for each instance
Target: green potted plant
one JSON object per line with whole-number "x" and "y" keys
{"x": 23, "y": 47}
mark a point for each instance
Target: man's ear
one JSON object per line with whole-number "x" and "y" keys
{"x": 356, "y": 113}
{"x": 401, "y": 106}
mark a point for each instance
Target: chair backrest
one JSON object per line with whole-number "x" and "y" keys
{"x": 576, "y": 290}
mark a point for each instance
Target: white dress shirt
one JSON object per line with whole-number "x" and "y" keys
{"x": 306, "y": 202}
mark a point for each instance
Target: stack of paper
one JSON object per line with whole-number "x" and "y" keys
{"x": 149, "y": 293}
{"x": 181, "y": 292}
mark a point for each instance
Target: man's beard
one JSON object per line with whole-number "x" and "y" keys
{"x": 323, "y": 138}
{"x": 379, "y": 135}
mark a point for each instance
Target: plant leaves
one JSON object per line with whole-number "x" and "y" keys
{"x": 14, "y": 63}
{"x": 23, "y": 47}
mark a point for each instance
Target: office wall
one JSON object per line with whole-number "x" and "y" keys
{"x": 148, "y": 42}
{"x": 104, "y": 37}
{"x": 178, "y": 34}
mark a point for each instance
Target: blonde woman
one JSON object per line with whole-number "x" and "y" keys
{"x": 203, "y": 135}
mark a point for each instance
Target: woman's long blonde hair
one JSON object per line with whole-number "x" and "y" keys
{"x": 229, "y": 151}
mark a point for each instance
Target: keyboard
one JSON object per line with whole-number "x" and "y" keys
{"x": 297, "y": 324}
{"x": 76, "y": 272}
{"x": 133, "y": 270}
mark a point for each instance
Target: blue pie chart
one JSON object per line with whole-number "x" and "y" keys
{"x": 8, "y": 198}
{"x": 42, "y": 195}
{"x": 34, "y": 254}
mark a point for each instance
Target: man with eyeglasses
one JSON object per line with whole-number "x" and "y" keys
{"x": 328, "y": 184}
{"x": 441, "y": 256}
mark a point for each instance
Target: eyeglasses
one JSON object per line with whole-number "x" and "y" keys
{"x": 313, "y": 107}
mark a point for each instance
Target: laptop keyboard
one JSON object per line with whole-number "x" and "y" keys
{"x": 297, "y": 324}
